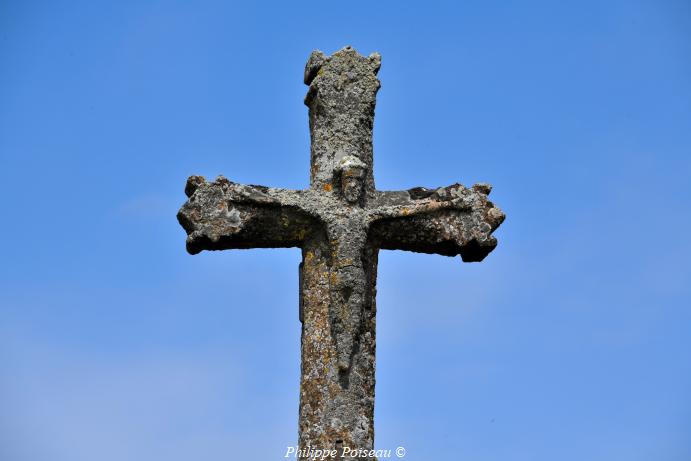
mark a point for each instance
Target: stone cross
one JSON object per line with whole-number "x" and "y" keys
{"x": 340, "y": 222}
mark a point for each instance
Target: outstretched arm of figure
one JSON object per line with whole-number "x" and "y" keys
{"x": 449, "y": 221}
{"x": 222, "y": 214}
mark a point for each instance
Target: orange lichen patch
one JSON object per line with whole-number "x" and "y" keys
{"x": 309, "y": 256}
{"x": 345, "y": 262}
{"x": 328, "y": 187}
{"x": 405, "y": 212}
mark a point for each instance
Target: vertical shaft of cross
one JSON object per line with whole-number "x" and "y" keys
{"x": 339, "y": 267}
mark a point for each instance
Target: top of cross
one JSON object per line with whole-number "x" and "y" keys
{"x": 341, "y": 97}
{"x": 342, "y": 198}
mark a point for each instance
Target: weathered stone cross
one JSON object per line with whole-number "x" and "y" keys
{"x": 340, "y": 223}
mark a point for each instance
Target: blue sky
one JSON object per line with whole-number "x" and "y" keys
{"x": 571, "y": 341}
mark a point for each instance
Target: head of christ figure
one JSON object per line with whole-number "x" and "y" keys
{"x": 352, "y": 178}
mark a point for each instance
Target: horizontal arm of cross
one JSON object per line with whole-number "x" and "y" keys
{"x": 448, "y": 221}
{"x": 223, "y": 215}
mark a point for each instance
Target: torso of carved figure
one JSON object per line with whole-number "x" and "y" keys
{"x": 348, "y": 238}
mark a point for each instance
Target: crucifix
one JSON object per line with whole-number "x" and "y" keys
{"x": 340, "y": 222}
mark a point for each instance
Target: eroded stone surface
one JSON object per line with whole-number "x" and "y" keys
{"x": 340, "y": 223}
